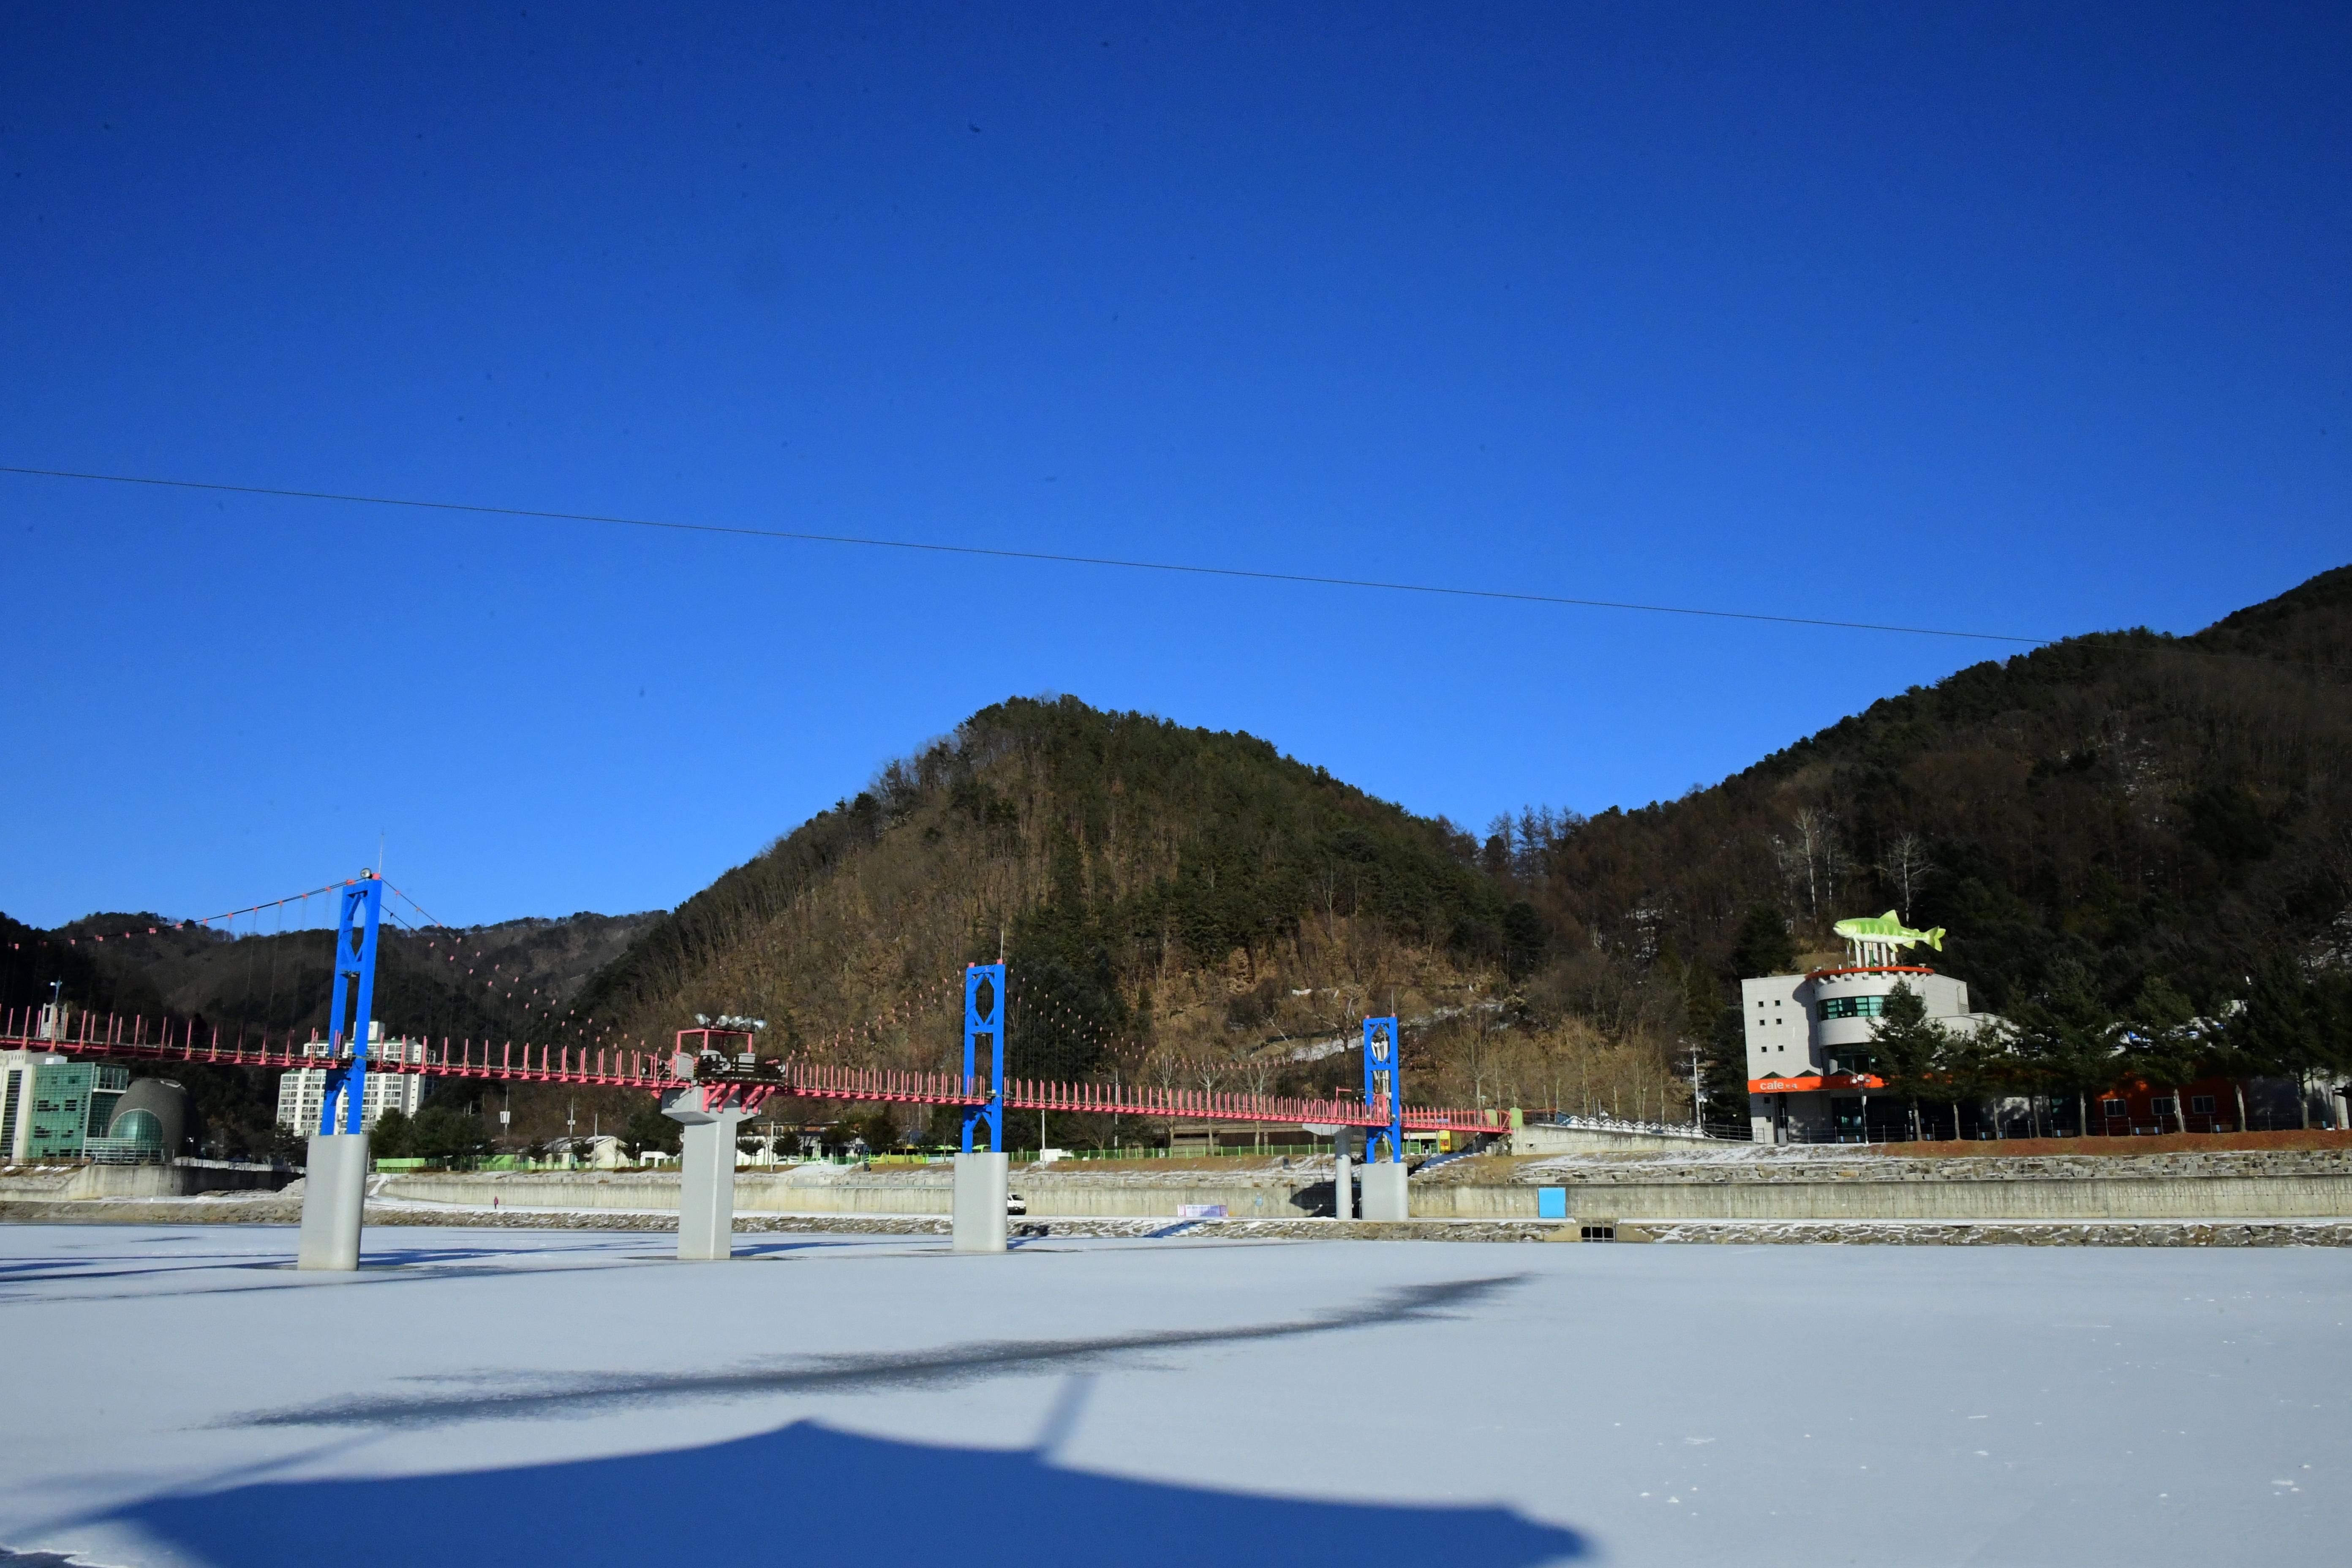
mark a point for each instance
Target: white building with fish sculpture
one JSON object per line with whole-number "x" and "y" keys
{"x": 1809, "y": 1036}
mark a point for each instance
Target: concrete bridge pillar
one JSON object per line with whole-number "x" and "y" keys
{"x": 334, "y": 1195}
{"x": 1384, "y": 1197}
{"x": 706, "y": 1176}
{"x": 706, "y": 1192}
{"x": 982, "y": 1183}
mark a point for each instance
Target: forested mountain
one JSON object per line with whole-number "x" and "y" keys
{"x": 2124, "y": 827}
{"x": 1172, "y": 900}
{"x": 2135, "y": 803}
{"x": 2085, "y": 820}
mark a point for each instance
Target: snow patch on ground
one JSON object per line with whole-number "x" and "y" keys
{"x": 579, "y": 1397}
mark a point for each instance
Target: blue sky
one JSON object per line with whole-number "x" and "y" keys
{"x": 2015, "y": 319}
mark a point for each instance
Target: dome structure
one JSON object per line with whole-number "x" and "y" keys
{"x": 155, "y": 1112}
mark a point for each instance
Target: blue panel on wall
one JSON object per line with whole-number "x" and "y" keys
{"x": 1551, "y": 1202}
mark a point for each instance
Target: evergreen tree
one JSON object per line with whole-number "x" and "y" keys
{"x": 1912, "y": 1049}
{"x": 2063, "y": 1044}
{"x": 1525, "y": 941}
{"x": 443, "y": 1132}
{"x": 2279, "y": 1032}
{"x": 392, "y": 1136}
{"x": 1975, "y": 1064}
{"x": 648, "y": 1128}
{"x": 1723, "y": 1057}
{"x": 1764, "y": 947}
{"x": 2162, "y": 1043}
{"x": 1725, "y": 1074}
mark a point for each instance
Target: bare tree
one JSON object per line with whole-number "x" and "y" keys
{"x": 1811, "y": 859}
{"x": 1255, "y": 1070}
{"x": 1906, "y": 866}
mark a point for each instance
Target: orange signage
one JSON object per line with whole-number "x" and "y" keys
{"x": 1813, "y": 1082}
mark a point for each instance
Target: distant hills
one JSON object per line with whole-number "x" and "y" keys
{"x": 1194, "y": 906}
{"x": 475, "y": 982}
{"x": 2112, "y": 809}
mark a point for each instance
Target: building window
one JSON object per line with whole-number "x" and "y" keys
{"x": 2113, "y": 1108}
{"x": 1853, "y": 1007}
{"x": 2200, "y": 1105}
{"x": 1850, "y": 1061}
{"x": 2162, "y": 1105}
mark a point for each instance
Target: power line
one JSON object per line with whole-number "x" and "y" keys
{"x": 1178, "y": 568}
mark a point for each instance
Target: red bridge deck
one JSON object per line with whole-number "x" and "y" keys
{"x": 131, "y": 1040}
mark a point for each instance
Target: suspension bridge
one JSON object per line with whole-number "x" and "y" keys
{"x": 741, "y": 1078}
{"x": 709, "y": 1084}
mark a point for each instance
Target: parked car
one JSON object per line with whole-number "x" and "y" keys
{"x": 1017, "y": 1203}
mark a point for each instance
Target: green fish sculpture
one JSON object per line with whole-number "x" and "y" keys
{"x": 1885, "y": 931}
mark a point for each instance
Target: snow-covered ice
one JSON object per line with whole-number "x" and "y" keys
{"x": 181, "y": 1395}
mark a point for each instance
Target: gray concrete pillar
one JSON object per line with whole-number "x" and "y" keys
{"x": 706, "y": 1189}
{"x": 1343, "y": 1174}
{"x": 334, "y": 1193}
{"x": 982, "y": 1185}
{"x": 1384, "y": 1190}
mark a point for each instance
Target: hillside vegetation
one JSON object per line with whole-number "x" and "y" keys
{"x": 1172, "y": 900}
{"x": 2086, "y": 820}
{"x": 2122, "y": 828}
{"x": 2123, "y": 833}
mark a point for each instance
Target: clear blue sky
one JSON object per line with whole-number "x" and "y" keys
{"x": 2020, "y": 319}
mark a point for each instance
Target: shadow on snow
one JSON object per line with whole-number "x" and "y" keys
{"x": 492, "y": 1397}
{"x": 818, "y": 1485}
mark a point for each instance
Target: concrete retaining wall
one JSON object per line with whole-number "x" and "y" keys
{"x": 828, "y": 1190}
{"x": 1964, "y": 1191}
{"x": 2031, "y": 1198}
{"x": 1548, "y": 1138}
{"x": 181, "y": 1179}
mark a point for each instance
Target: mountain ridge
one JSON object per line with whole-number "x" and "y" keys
{"x": 1181, "y": 903}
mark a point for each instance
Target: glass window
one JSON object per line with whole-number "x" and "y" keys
{"x": 2162, "y": 1104}
{"x": 2112, "y": 1108}
{"x": 2200, "y": 1104}
{"x": 141, "y": 1128}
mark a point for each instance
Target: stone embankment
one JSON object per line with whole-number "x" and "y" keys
{"x": 1725, "y": 1184}
{"x": 1148, "y": 1190}
{"x": 1749, "y": 1184}
{"x": 2283, "y": 1196}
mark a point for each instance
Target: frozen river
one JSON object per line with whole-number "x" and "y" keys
{"x": 576, "y": 1399}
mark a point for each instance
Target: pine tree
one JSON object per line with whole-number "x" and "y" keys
{"x": 1765, "y": 946}
{"x": 2280, "y": 1031}
{"x": 2163, "y": 1044}
{"x": 1725, "y": 1067}
{"x": 2065, "y": 1043}
{"x": 1912, "y": 1049}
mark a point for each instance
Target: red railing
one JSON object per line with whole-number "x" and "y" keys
{"x": 132, "y": 1039}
